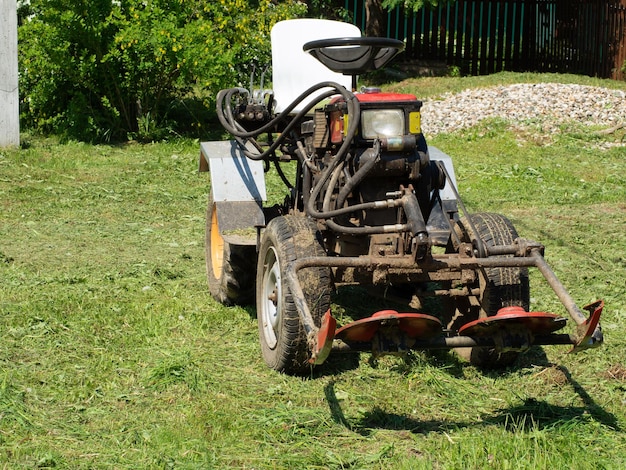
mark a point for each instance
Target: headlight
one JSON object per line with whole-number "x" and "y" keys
{"x": 382, "y": 123}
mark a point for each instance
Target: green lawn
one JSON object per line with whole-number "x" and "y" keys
{"x": 113, "y": 355}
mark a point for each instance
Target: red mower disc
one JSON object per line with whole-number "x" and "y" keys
{"x": 514, "y": 318}
{"x": 414, "y": 325}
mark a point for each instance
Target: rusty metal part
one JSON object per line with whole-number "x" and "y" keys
{"x": 416, "y": 222}
{"x": 414, "y": 325}
{"x": 590, "y": 332}
{"x": 406, "y": 143}
{"x": 325, "y": 337}
{"x": 529, "y": 254}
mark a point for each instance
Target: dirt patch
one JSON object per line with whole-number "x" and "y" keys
{"x": 553, "y": 376}
{"x": 616, "y": 372}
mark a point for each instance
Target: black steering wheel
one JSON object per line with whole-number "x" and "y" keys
{"x": 354, "y": 56}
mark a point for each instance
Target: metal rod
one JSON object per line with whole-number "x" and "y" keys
{"x": 433, "y": 263}
{"x": 559, "y": 289}
{"x": 479, "y": 243}
{"x": 456, "y": 342}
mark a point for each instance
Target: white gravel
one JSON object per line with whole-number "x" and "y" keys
{"x": 551, "y": 103}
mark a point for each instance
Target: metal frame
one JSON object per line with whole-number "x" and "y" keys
{"x": 527, "y": 254}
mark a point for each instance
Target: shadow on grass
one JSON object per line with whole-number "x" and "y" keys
{"x": 532, "y": 414}
{"x": 443, "y": 359}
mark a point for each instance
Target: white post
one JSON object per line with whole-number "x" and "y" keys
{"x": 9, "y": 96}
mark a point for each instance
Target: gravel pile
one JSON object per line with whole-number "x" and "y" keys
{"x": 550, "y": 103}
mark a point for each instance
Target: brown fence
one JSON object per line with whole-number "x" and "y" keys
{"x": 486, "y": 36}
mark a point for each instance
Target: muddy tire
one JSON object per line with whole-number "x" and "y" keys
{"x": 230, "y": 267}
{"x": 282, "y": 336}
{"x": 499, "y": 287}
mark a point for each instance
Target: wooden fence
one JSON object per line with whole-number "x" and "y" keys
{"x": 485, "y": 36}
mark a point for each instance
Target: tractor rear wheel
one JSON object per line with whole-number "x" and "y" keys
{"x": 282, "y": 336}
{"x": 230, "y": 267}
{"x": 498, "y": 287}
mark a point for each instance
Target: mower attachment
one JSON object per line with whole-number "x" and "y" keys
{"x": 390, "y": 332}
{"x": 325, "y": 337}
{"x": 512, "y": 328}
{"x": 590, "y": 332}
{"x": 514, "y": 317}
{"x": 413, "y": 325}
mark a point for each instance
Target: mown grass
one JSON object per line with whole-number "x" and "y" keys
{"x": 113, "y": 355}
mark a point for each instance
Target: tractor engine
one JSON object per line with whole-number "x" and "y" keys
{"x": 387, "y": 177}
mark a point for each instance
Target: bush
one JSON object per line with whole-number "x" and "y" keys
{"x": 101, "y": 70}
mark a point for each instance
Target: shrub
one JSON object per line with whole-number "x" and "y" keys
{"x": 99, "y": 70}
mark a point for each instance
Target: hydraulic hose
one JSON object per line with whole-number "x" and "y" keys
{"x": 354, "y": 117}
{"x": 329, "y": 190}
{"x": 230, "y": 124}
{"x": 361, "y": 173}
{"x": 226, "y": 118}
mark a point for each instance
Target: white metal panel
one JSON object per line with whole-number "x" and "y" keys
{"x": 293, "y": 70}
{"x": 234, "y": 177}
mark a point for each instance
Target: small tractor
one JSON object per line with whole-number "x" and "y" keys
{"x": 369, "y": 204}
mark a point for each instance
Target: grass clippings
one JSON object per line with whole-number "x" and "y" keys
{"x": 113, "y": 354}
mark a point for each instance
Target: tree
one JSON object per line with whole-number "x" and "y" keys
{"x": 374, "y": 17}
{"x": 100, "y": 70}
{"x": 328, "y": 9}
{"x": 414, "y": 5}
{"x": 374, "y": 12}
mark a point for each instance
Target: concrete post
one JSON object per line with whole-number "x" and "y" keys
{"x": 9, "y": 96}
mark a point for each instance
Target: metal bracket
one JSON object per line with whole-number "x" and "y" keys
{"x": 237, "y": 188}
{"x": 590, "y": 332}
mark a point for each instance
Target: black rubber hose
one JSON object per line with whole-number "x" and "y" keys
{"x": 282, "y": 116}
{"x": 232, "y": 126}
{"x": 354, "y": 116}
{"x": 366, "y": 230}
{"x": 224, "y": 114}
{"x": 360, "y": 174}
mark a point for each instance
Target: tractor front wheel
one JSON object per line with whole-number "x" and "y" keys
{"x": 282, "y": 336}
{"x": 230, "y": 267}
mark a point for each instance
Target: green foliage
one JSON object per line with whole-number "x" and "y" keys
{"x": 108, "y": 70}
{"x": 414, "y": 5}
{"x": 329, "y": 9}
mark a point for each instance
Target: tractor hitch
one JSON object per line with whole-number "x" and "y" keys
{"x": 390, "y": 332}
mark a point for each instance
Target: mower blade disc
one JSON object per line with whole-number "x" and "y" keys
{"x": 514, "y": 318}
{"x": 325, "y": 337}
{"x": 590, "y": 331}
{"x": 413, "y": 325}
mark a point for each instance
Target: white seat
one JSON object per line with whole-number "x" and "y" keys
{"x": 293, "y": 70}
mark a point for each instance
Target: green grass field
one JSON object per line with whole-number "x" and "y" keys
{"x": 113, "y": 354}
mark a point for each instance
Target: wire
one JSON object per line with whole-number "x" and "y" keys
{"x": 228, "y": 121}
